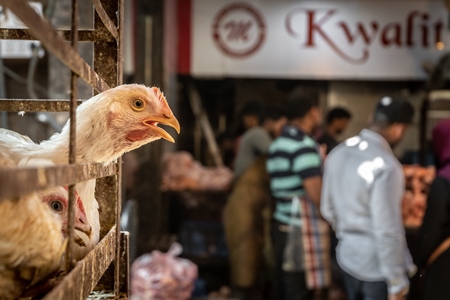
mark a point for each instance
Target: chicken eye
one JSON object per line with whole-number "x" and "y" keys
{"x": 138, "y": 104}
{"x": 56, "y": 206}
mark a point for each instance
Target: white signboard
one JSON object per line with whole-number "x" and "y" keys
{"x": 317, "y": 39}
{"x": 17, "y": 48}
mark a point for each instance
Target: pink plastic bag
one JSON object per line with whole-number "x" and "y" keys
{"x": 160, "y": 276}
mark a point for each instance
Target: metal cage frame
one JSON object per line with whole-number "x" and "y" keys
{"x": 106, "y": 267}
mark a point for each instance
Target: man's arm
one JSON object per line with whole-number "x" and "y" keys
{"x": 326, "y": 204}
{"x": 308, "y": 165}
{"x": 313, "y": 186}
{"x": 387, "y": 228}
{"x": 261, "y": 141}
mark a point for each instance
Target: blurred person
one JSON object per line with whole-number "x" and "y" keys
{"x": 363, "y": 187}
{"x": 256, "y": 140}
{"x": 300, "y": 236}
{"x": 249, "y": 116}
{"x": 225, "y": 142}
{"x": 434, "y": 236}
{"x": 337, "y": 121}
{"x": 249, "y": 199}
{"x": 245, "y": 224}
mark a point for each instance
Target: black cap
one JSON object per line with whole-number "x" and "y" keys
{"x": 393, "y": 109}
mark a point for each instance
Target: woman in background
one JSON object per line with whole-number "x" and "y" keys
{"x": 435, "y": 231}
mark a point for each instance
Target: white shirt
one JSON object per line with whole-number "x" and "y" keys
{"x": 362, "y": 190}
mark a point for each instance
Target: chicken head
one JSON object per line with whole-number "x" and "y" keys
{"x": 57, "y": 200}
{"x": 143, "y": 110}
{"x": 119, "y": 120}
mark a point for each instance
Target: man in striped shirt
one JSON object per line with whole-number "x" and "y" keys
{"x": 299, "y": 234}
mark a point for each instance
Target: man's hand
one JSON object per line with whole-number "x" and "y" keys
{"x": 399, "y": 296}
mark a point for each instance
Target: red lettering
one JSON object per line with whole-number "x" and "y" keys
{"x": 360, "y": 31}
{"x": 410, "y": 28}
{"x": 314, "y": 27}
{"x": 319, "y": 24}
{"x": 237, "y": 30}
{"x": 388, "y": 39}
{"x": 438, "y": 31}
{"x": 424, "y": 28}
{"x": 288, "y": 22}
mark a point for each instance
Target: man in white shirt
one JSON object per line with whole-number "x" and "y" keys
{"x": 362, "y": 190}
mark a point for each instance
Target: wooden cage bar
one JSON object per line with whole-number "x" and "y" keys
{"x": 83, "y": 35}
{"x": 106, "y": 266}
{"x": 31, "y": 105}
{"x": 69, "y": 260}
{"x": 21, "y": 181}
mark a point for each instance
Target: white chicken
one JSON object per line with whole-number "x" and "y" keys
{"x": 109, "y": 124}
{"x": 31, "y": 241}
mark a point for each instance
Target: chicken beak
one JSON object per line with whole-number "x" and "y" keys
{"x": 79, "y": 241}
{"x": 82, "y": 228}
{"x": 86, "y": 229}
{"x": 166, "y": 119}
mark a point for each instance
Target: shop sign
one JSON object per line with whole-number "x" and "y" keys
{"x": 317, "y": 39}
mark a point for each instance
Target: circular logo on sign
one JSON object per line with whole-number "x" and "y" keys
{"x": 239, "y": 30}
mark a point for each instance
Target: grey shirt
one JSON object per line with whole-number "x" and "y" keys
{"x": 362, "y": 190}
{"x": 254, "y": 143}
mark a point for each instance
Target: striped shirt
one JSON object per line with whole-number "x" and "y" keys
{"x": 292, "y": 158}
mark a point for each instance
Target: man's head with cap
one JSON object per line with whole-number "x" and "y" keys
{"x": 391, "y": 117}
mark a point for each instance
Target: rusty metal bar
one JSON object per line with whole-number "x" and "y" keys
{"x": 31, "y": 105}
{"x": 21, "y": 181}
{"x": 106, "y": 195}
{"x": 79, "y": 283}
{"x": 105, "y": 18}
{"x": 108, "y": 64}
{"x": 125, "y": 263}
{"x": 118, "y": 211}
{"x": 106, "y": 60}
{"x": 43, "y": 31}
{"x": 84, "y": 35}
{"x": 121, "y": 28}
{"x": 117, "y": 262}
{"x": 72, "y": 140}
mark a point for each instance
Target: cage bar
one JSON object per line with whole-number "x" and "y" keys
{"x": 21, "y": 181}
{"x": 79, "y": 283}
{"x": 84, "y": 35}
{"x": 33, "y": 105}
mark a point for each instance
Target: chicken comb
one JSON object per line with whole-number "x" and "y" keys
{"x": 159, "y": 95}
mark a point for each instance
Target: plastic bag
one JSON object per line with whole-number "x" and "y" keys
{"x": 159, "y": 276}
{"x": 293, "y": 258}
